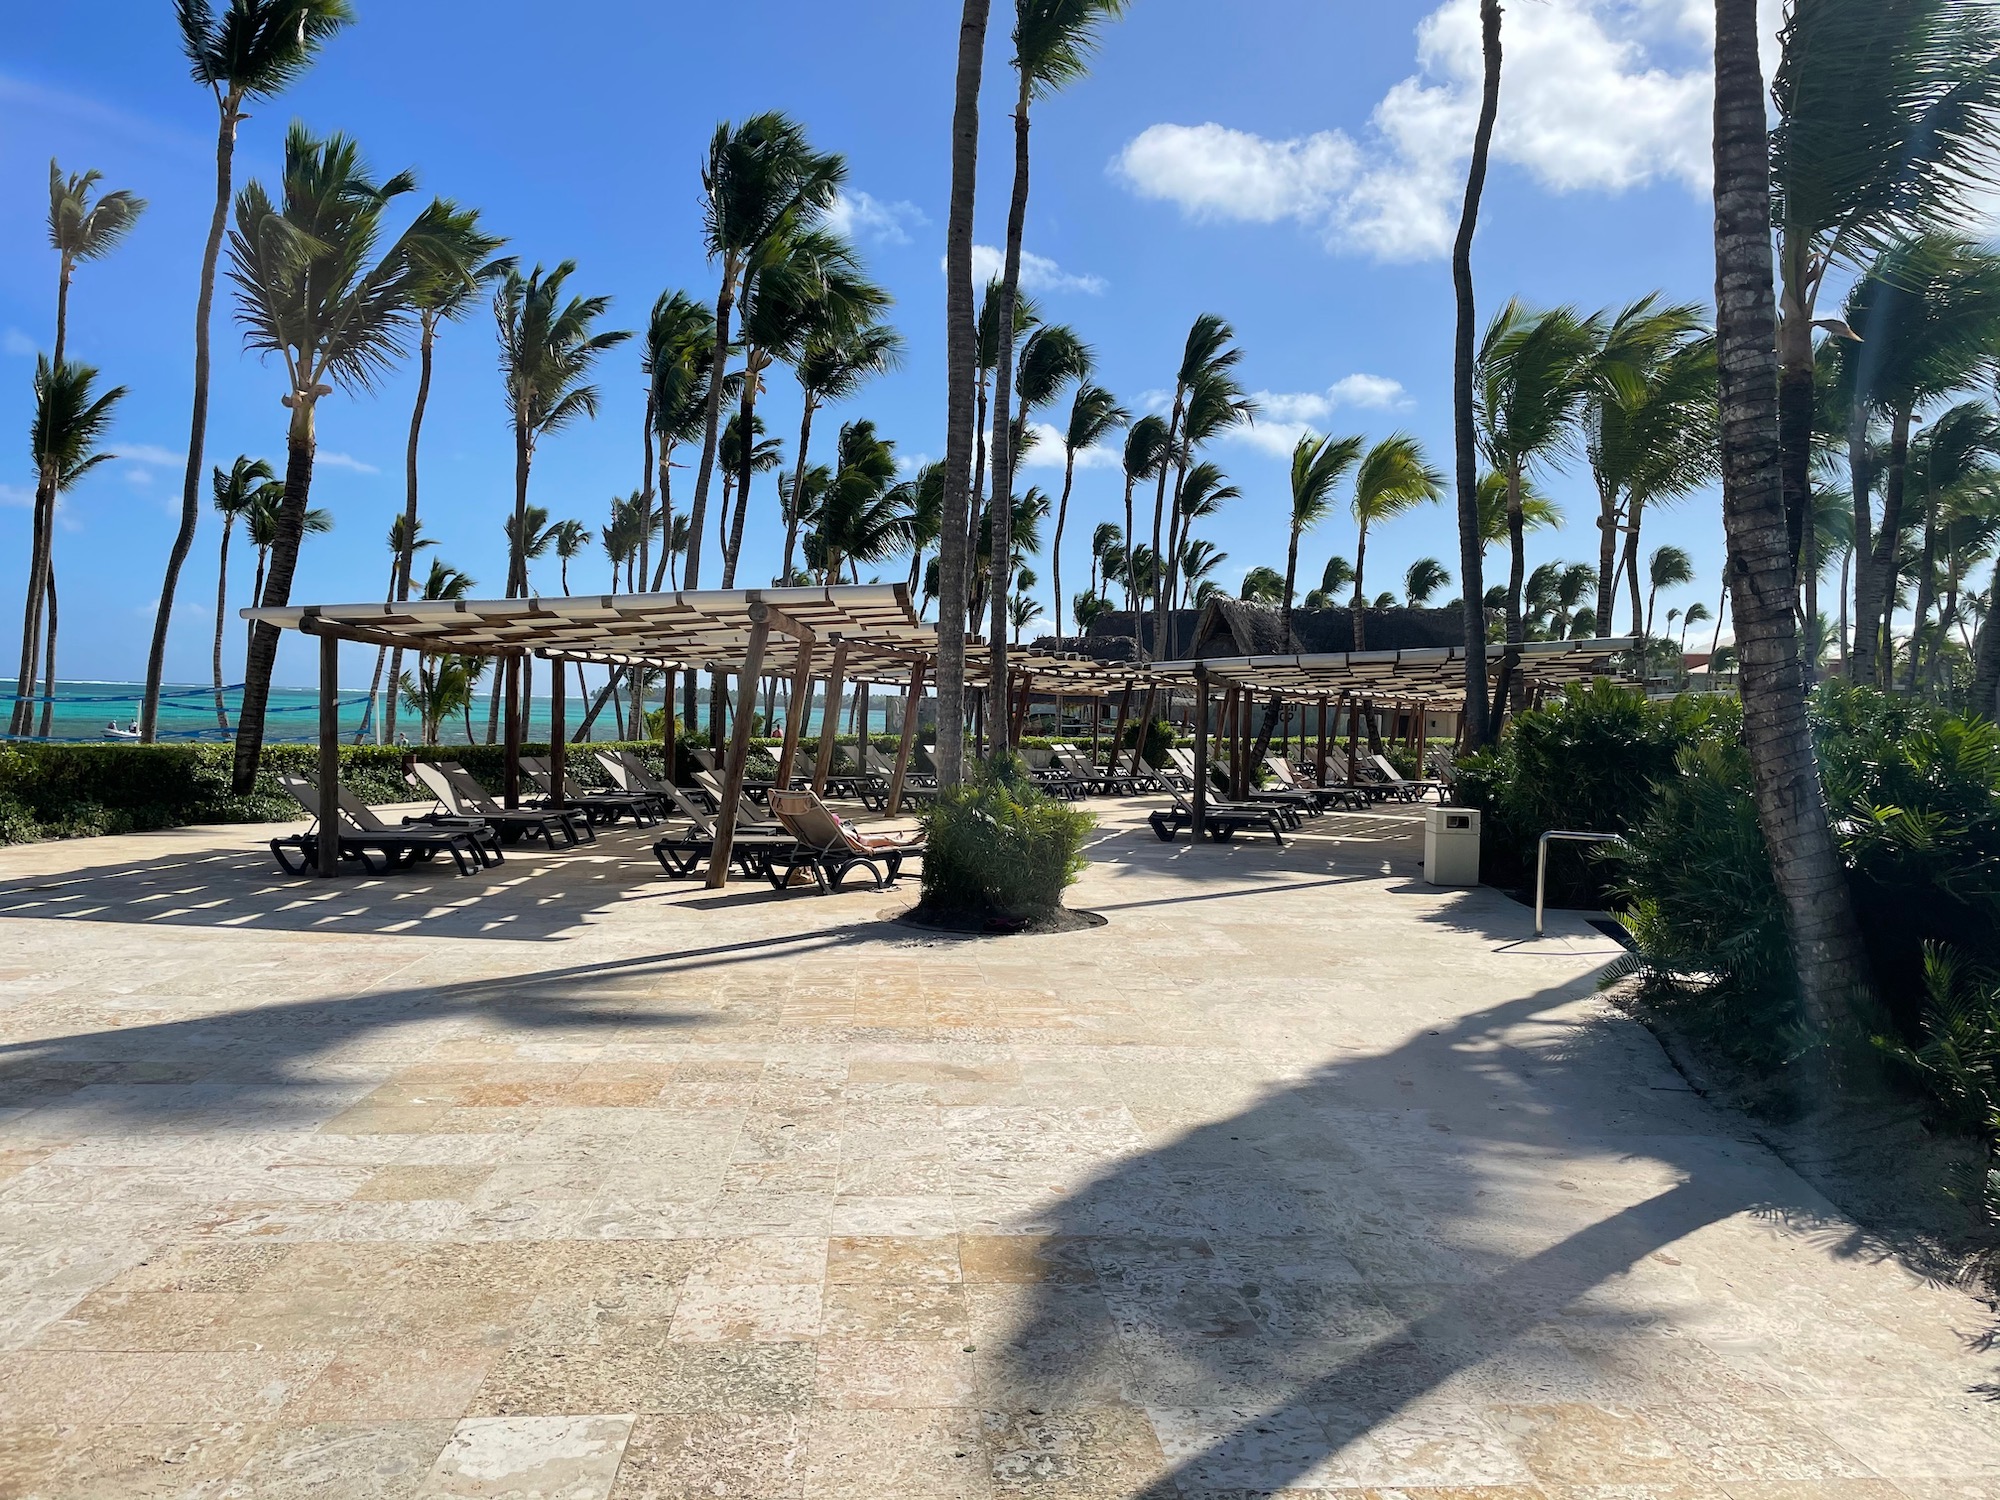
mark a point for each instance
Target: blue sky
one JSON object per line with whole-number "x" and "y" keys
{"x": 1290, "y": 164}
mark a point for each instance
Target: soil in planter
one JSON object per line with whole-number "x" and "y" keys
{"x": 998, "y": 924}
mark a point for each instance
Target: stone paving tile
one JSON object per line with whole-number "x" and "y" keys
{"x": 363, "y": 1196}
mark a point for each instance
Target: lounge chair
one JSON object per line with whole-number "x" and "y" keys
{"x": 464, "y": 800}
{"x": 1400, "y": 786}
{"x": 374, "y": 844}
{"x": 1223, "y": 819}
{"x": 644, "y": 808}
{"x": 747, "y": 813}
{"x": 831, "y": 848}
{"x": 752, "y": 846}
{"x": 1159, "y": 781}
{"x": 882, "y": 771}
{"x": 1052, "y": 776}
{"x": 1323, "y": 797}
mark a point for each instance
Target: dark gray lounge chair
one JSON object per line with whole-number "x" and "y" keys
{"x": 375, "y": 845}
{"x": 464, "y": 800}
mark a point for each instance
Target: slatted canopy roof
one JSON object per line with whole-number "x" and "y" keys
{"x": 699, "y": 628}
{"x": 1410, "y": 676}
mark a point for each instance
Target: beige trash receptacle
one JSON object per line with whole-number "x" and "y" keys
{"x": 1451, "y": 846}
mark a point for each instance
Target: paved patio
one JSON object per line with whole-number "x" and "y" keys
{"x": 569, "y": 1181}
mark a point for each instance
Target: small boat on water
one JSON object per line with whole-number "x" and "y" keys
{"x": 112, "y": 731}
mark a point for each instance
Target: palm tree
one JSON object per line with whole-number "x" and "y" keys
{"x": 1208, "y": 401}
{"x": 70, "y": 421}
{"x": 1694, "y": 614}
{"x": 1052, "y": 357}
{"x": 254, "y": 50}
{"x": 1202, "y": 493}
{"x": 447, "y": 271}
{"x": 1053, "y": 42}
{"x": 1023, "y": 609}
{"x": 1534, "y": 374}
{"x": 1318, "y": 464}
{"x": 443, "y": 684}
{"x": 1094, "y": 414}
{"x": 1263, "y": 586}
{"x": 764, "y": 455}
{"x": 1104, "y": 538}
{"x": 569, "y": 538}
{"x": 961, "y": 379}
{"x": 313, "y": 291}
{"x": 922, "y": 500}
{"x": 1928, "y": 312}
{"x": 1952, "y": 464}
{"x": 1422, "y": 579}
{"x": 1393, "y": 478}
{"x": 678, "y": 360}
{"x": 834, "y": 363}
{"x": 262, "y": 520}
{"x": 1791, "y": 803}
{"x": 1464, "y": 379}
{"x": 760, "y": 179}
{"x": 1888, "y": 125}
{"x": 80, "y": 230}
{"x": 1148, "y": 448}
{"x": 1335, "y": 579}
{"x": 1199, "y": 561}
{"x": 248, "y": 482}
{"x": 862, "y": 517}
{"x": 1669, "y": 567}
{"x": 404, "y": 541}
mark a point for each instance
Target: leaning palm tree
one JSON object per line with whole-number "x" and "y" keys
{"x": 1094, "y": 414}
{"x": 1464, "y": 381}
{"x": 761, "y": 178}
{"x": 1318, "y": 464}
{"x": 1534, "y": 374}
{"x": 447, "y": 270}
{"x": 1053, "y": 42}
{"x": 833, "y": 364}
{"x": 1670, "y": 567}
{"x": 1207, "y": 402}
{"x": 1790, "y": 800}
{"x": 248, "y": 482}
{"x": 1888, "y": 125}
{"x": 315, "y": 292}
{"x": 255, "y": 49}
{"x": 1422, "y": 579}
{"x": 570, "y": 537}
{"x": 70, "y": 421}
{"x": 1199, "y": 562}
{"x": 261, "y": 522}
{"x": 1393, "y": 478}
{"x": 862, "y": 516}
{"x": 1263, "y": 585}
{"x": 1105, "y": 537}
{"x": 80, "y": 230}
{"x": 405, "y": 541}
{"x": 1148, "y": 450}
{"x": 443, "y": 684}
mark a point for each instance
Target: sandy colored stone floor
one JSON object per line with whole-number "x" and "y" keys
{"x": 570, "y": 1182}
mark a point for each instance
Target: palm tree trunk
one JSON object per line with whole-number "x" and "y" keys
{"x": 1177, "y": 529}
{"x": 725, "y": 304}
{"x": 975, "y": 512}
{"x": 1159, "y": 516}
{"x": 256, "y": 597}
{"x": 263, "y": 655}
{"x": 1131, "y": 566}
{"x": 1791, "y": 803}
{"x": 221, "y": 610}
{"x": 1360, "y": 606}
{"x": 1607, "y": 557}
{"x": 1860, "y": 653}
{"x": 1984, "y": 697}
{"x": 517, "y": 559}
{"x": 1465, "y": 434}
{"x": 49, "y": 665}
{"x": 1798, "y": 401}
{"x": 747, "y": 411}
{"x": 1000, "y": 736}
{"x": 156, "y": 659}
{"x": 955, "y": 548}
{"x": 1634, "y": 589}
{"x": 1055, "y": 552}
{"x": 1517, "y": 552}
{"x": 1873, "y": 620}
{"x": 798, "y": 489}
{"x": 646, "y": 493}
{"x": 1925, "y": 591}
{"x": 660, "y": 568}
{"x": 381, "y": 656}
{"x": 39, "y": 567}
{"x": 1846, "y": 646}
{"x": 403, "y": 563}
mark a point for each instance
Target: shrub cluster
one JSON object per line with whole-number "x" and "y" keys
{"x": 999, "y": 847}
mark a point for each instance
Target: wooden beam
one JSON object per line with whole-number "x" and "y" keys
{"x": 1145, "y": 722}
{"x": 795, "y": 712}
{"x": 1353, "y": 740}
{"x": 511, "y": 733}
{"x": 739, "y": 751}
{"x": 1322, "y": 742}
{"x": 559, "y": 724}
{"x": 911, "y": 704}
{"x": 1200, "y": 752}
{"x": 329, "y": 755}
{"x": 829, "y": 730}
{"x": 1024, "y": 692}
{"x": 1118, "y": 734}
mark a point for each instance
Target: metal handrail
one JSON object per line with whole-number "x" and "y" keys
{"x": 1542, "y": 861}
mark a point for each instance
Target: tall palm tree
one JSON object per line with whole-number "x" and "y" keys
{"x": 1534, "y": 375}
{"x": 1318, "y": 465}
{"x": 80, "y": 230}
{"x": 1215, "y": 404}
{"x": 569, "y": 537}
{"x": 1464, "y": 381}
{"x": 447, "y": 271}
{"x": 262, "y": 520}
{"x": 1888, "y": 125}
{"x": 1262, "y": 585}
{"x": 1393, "y": 478}
{"x": 862, "y": 517}
{"x": 1199, "y": 562}
{"x": 254, "y": 49}
{"x": 679, "y": 359}
{"x": 443, "y": 684}
{"x": 248, "y": 482}
{"x": 1422, "y": 579}
{"x": 313, "y": 291}
{"x": 760, "y": 179}
{"x": 1791, "y": 803}
{"x": 1694, "y": 614}
{"x": 1670, "y": 567}
{"x": 70, "y": 421}
{"x": 1053, "y": 43}
{"x": 923, "y": 502}
{"x": 1148, "y": 450}
{"x": 1104, "y": 537}
{"x": 404, "y": 541}
{"x": 1094, "y": 414}
{"x": 1928, "y": 313}
{"x": 1207, "y": 401}
{"x": 764, "y": 455}
{"x": 961, "y": 378}
{"x": 834, "y": 363}
{"x": 1953, "y": 466}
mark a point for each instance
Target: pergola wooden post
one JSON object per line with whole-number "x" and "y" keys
{"x": 1145, "y": 722}
{"x": 512, "y": 735}
{"x": 1200, "y": 752}
{"x": 909, "y": 740}
{"x": 1353, "y": 740}
{"x": 1322, "y": 742}
{"x": 1024, "y": 695}
{"x": 559, "y": 723}
{"x": 329, "y": 755}
{"x": 1118, "y": 733}
{"x": 795, "y": 713}
{"x": 739, "y": 748}
{"x": 829, "y": 730}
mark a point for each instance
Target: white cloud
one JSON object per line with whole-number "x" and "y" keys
{"x": 326, "y": 460}
{"x": 1047, "y": 452}
{"x": 1038, "y": 272}
{"x": 1599, "y": 95}
{"x": 909, "y": 465}
{"x": 1283, "y": 417}
{"x": 138, "y": 478}
{"x": 14, "y": 495}
{"x": 863, "y": 216}
{"x": 148, "y": 453}
{"x": 17, "y": 344}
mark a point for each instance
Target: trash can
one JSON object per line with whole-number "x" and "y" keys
{"x": 1451, "y": 846}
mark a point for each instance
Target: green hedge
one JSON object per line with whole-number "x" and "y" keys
{"x": 999, "y": 847}
{"x": 78, "y": 791}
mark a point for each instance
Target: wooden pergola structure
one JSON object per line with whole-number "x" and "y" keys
{"x": 1359, "y": 683}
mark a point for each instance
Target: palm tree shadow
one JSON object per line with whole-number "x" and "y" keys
{"x": 1395, "y": 1229}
